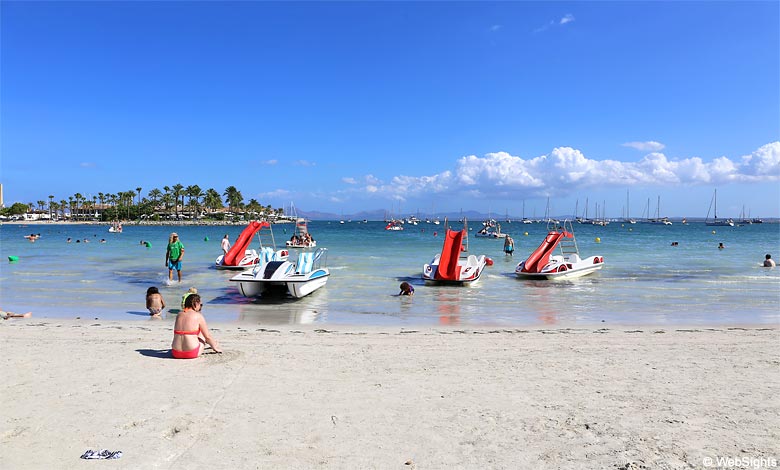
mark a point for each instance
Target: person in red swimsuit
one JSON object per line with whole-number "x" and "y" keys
{"x": 190, "y": 332}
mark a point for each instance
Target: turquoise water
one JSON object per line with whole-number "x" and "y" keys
{"x": 645, "y": 280}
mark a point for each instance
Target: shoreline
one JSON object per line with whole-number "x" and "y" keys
{"x": 357, "y": 397}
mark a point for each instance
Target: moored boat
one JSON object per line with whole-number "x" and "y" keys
{"x": 297, "y": 279}
{"x": 716, "y": 222}
{"x": 543, "y": 264}
{"x": 454, "y": 265}
{"x": 241, "y": 256}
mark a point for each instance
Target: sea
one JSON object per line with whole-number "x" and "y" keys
{"x": 645, "y": 281}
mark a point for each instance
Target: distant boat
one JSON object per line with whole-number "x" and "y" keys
{"x": 657, "y": 220}
{"x": 628, "y": 218}
{"x": 743, "y": 218}
{"x": 394, "y": 226}
{"x": 715, "y": 222}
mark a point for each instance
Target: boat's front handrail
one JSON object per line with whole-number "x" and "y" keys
{"x": 320, "y": 257}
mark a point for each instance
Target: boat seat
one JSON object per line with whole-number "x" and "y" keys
{"x": 305, "y": 262}
{"x": 267, "y": 255}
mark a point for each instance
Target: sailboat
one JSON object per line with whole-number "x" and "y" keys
{"x": 658, "y": 220}
{"x": 715, "y": 222}
{"x": 525, "y": 220}
{"x": 628, "y": 218}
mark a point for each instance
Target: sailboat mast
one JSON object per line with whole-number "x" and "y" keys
{"x": 628, "y": 206}
{"x": 716, "y": 203}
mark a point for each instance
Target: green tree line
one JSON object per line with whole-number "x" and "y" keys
{"x": 171, "y": 202}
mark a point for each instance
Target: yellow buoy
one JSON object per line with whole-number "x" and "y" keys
{"x": 525, "y": 233}
{"x": 598, "y": 240}
{"x": 713, "y": 232}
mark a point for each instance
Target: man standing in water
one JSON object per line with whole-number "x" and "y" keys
{"x": 173, "y": 255}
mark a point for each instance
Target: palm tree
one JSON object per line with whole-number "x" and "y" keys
{"x": 51, "y": 199}
{"x": 253, "y": 207}
{"x": 212, "y": 200}
{"x": 155, "y": 195}
{"x": 77, "y": 199}
{"x": 194, "y": 192}
{"x": 167, "y": 200}
{"x": 62, "y": 207}
{"x": 139, "y": 194}
{"x": 234, "y": 197}
{"x": 177, "y": 191}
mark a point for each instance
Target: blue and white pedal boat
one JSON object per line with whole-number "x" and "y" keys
{"x": 298, "y": 279}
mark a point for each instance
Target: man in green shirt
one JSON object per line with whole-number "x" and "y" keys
{"x": 173, "y": 255}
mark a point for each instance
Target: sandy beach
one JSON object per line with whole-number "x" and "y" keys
{"x": 361, "y": 397}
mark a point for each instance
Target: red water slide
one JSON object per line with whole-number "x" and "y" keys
{"x": 541, "y": 256}
{"x": 449, "y": 270}
{"x": 236, "y": 252}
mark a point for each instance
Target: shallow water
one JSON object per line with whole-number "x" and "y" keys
{"x": 644, "y": 281}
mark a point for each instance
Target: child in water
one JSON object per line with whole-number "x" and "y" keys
{"x": 406, "y": 289}
{"x": 154, "y": 302}
{"x": 192, "y": 290}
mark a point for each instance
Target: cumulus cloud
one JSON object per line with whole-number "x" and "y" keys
{"x": 567, "y": 170}
{"x": 649, "y": 146}
{"x": 568, "y": 18}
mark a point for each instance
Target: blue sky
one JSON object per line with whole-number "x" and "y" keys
{"x": 430, "y": 107}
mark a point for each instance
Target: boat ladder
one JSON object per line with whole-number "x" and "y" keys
{"x": 568, "y": 246}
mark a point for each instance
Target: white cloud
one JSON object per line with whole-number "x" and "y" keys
{"x": 649, "y": 146}
{"x": 567, "y": 170}
{"x": 304, "y": 163}
{"x": 270, "y": 162}
{"x": 544, "y": 27}
{"x": 764, "y": 161}
{"x": 567, "y": 18}
{"x": 277, "y": 193}
{"x": 87, "y": 164}
{"x": 495, "y": 27}
{"x": 349, "y": 180}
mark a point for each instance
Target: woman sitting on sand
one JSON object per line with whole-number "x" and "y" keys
{"x": 190, "y": 332}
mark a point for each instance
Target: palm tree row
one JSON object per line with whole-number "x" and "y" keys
{"x": 168, "y": 202}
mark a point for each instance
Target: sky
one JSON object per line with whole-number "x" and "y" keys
{"x": 408, "y": 107}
